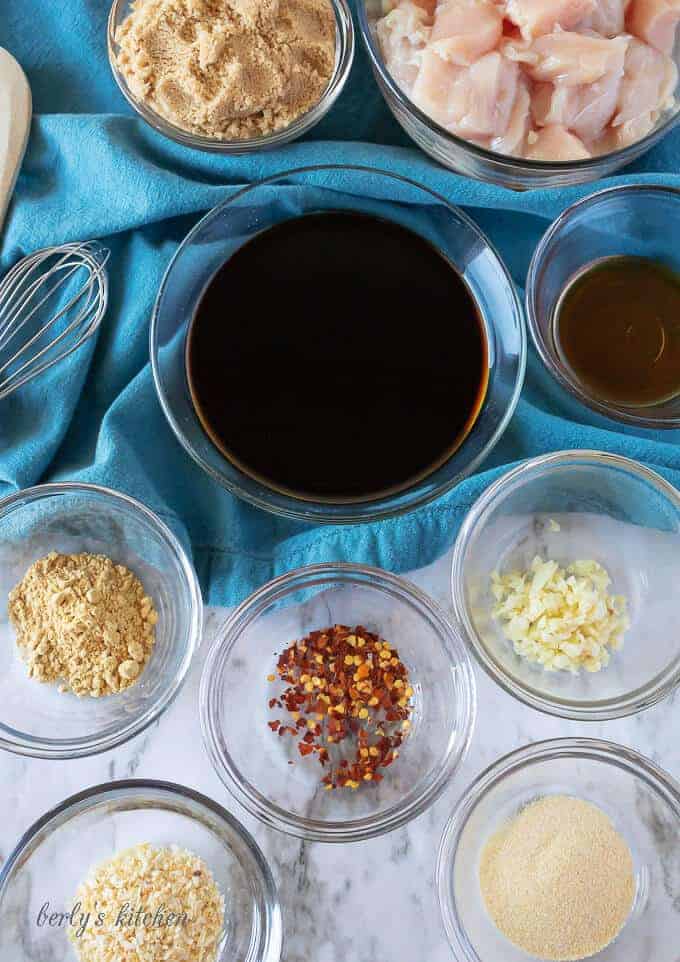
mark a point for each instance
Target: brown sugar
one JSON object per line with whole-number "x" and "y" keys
{"x": 228, "y": 69}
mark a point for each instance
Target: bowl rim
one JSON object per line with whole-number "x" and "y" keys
{"x": 597, "y": 749}
{"x": 635, "y": 416}
{"x": 53, "y": 748}
{"x": 345, "y": 49}
{"x": 512, "y": 480}
{"x": 216, "y": 665}
{"x": 86, "y": 799}
{"x": 355, "y": 512}
{"x": 623, "y": 156}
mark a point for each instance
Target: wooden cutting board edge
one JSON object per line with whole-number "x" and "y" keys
{"x": 17, "y": 126}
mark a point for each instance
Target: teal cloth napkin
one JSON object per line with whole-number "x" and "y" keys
{"x": 93, "y": 170}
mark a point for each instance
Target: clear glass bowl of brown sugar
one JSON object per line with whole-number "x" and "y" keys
{"x": 344, "y": 56}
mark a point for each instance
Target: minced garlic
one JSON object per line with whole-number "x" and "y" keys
{"x": 562, "y": 619}
{"x": 149, "y": 904}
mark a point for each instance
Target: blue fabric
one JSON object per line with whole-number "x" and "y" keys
{"x": 93, "y": 170}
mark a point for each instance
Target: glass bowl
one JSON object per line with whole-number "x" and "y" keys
{"x": 252, "y": 761}
{"x": 36, "y": 719}
{"x": 642, "y": 801}
{"x": 58, "y": 851}
{"x": 630, "y": 220}
{"x": 344, "y": 55}
{"x": 231, "y": 224}
{"x": 608, "y": 509}
{"x": 474, "y": 161}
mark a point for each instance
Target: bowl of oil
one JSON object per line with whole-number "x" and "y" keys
{"x": 603, "y": 304}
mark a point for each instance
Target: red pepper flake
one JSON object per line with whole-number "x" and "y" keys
{"x": 350, "y": 690}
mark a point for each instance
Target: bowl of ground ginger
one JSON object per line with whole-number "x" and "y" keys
{"x": 231, "y": 76}
{"x": 99, "y": 619}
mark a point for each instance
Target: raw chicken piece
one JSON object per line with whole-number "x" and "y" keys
{"x": 654, "y": 21}
{"x": 585, "y": 110}
{"x": 519, "y": 125}
{"x": 547, "y": 79}
{"x": 474, "y": 102}
{"x": 649, "y": 82}
{"x": 519, "y": 50}
{"x": 464, "y": 30}
{"x": 490, "y": 87}
{"x": 536, "y": 17}
{"x": 608, "y": 18}
{"x": 575, "y": 58}
{"x": 596, "y": 105}
{"x": 403, "y": 35}
{"x": 555, "y": 143}
{"x": 429, "y": 6}
{"x": 615, "y": 138}
{"x": 434, "y": 88}
{"x": 554, "y": 104}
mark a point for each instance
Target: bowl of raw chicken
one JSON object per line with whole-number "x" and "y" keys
{"x": 528, "y": 93}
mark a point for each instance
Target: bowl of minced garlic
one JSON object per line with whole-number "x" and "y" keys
{"x": 151, "y": 904}
{"x": 231, "y": 75}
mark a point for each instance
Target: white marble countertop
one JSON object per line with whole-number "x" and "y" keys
{"x": 367, "y": 902}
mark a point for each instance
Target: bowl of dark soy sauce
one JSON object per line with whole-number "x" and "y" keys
{"x": 337, "y": 344}
{"x": 603, "y": 303}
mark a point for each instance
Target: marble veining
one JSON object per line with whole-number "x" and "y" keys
{"x": 371, "y": 901}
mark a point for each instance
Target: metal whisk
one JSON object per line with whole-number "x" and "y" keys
{"x": 51, "y": 302}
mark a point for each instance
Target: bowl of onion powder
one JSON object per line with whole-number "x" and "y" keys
{"x": 562, "y": 851}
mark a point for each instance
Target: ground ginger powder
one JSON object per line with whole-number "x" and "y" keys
{"x": 558, "y": 879}
{"x": 84, "y": 622}
{"x": 228, "y": 69}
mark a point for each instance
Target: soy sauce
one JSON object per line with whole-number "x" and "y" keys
{"x": 338, "y": 357}
{"x": 617, "y": 326}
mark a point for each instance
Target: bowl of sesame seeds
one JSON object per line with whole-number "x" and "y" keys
{"x": 337, "y": 702}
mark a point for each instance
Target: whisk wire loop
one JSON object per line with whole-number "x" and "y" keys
{"x": 38, "y": 284}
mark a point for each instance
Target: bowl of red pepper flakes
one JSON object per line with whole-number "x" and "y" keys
{"x": 347, "y": 699}
{"x": 391, "y": 729}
